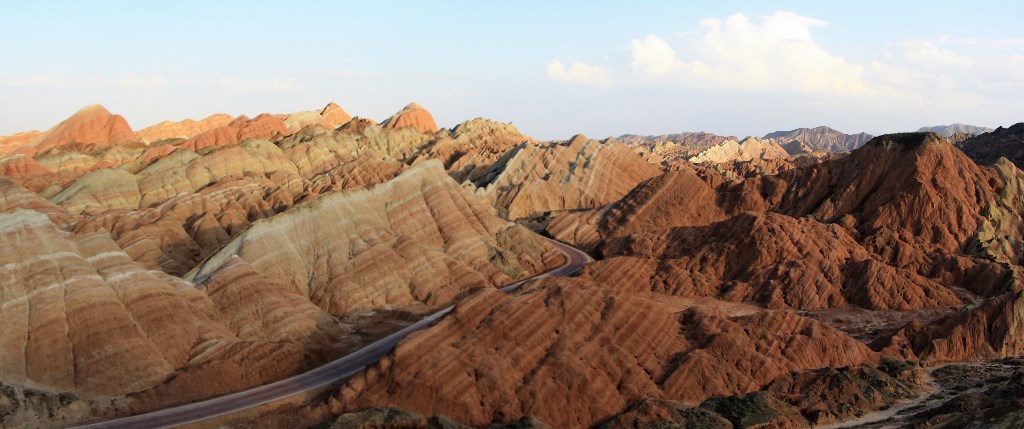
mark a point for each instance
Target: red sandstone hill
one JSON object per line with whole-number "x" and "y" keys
{"x": 414, "y": 116}
{"x": 183, "y": 129}
{"x": 93, "y": 125}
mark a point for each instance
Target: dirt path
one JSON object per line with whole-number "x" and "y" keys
{"x": 935, "y": 391}
{"x": 897, "y": 416}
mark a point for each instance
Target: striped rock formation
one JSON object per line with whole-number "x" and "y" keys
{"x": 417, "y": 238}
{"x": 534, "y": 179}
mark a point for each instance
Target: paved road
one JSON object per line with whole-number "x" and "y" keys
{"x": 326, "y": 374}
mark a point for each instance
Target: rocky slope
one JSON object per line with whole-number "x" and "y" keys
{"x": 821, "y": 138}
{"x": 417, "y": 238}
{"x": 523, "y": 355}
{"x": 987, "y": 148}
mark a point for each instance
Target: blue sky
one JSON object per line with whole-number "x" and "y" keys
{"x": 598, "y": 68}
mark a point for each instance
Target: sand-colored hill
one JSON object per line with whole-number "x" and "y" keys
{"x": 470, "y": 150}
{"x": 749, "y": 149}
{"x": 536, "y": 178}
{"x": 331, "y": 116}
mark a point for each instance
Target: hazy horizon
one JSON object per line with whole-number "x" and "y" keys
{"x": 597, "y": 69}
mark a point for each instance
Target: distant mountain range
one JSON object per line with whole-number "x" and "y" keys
{"x": 821, "y": 138}
{"x": 696, "y": 140}
{"x": 808, "y": 139}
{"x": 948, "y": 130}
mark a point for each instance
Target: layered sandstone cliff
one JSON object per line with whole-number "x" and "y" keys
{"x": 417, "y": 238}
{"x": 536, "y": 178}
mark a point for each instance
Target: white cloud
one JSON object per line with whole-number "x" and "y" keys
{"x": 927, "y": 53}
{"x": 579, "y": 72}
{"x": 654, "y": 56}
{"x": 776, "y": 53}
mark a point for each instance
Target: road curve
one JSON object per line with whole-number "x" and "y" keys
{"x": 328, "y": 373}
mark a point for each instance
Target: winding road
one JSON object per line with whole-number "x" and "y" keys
{"x": 326, "y": 374}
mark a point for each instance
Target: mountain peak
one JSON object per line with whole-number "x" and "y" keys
{"x": 92, "y": 125}
{"x": 93, "y": 109}
{"x": 412, "y": 106}
{"x": 906, "y": 141}
{"x": 412, "y": 115}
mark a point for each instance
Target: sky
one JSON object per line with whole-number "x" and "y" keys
{"x": 553, "y": 69}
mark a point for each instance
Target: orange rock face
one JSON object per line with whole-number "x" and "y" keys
{"x": 263, "y": 127}
{"x": 414, "y": 116}
{"x": 182, "y": 130}
{"x": 14, "y": 141}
